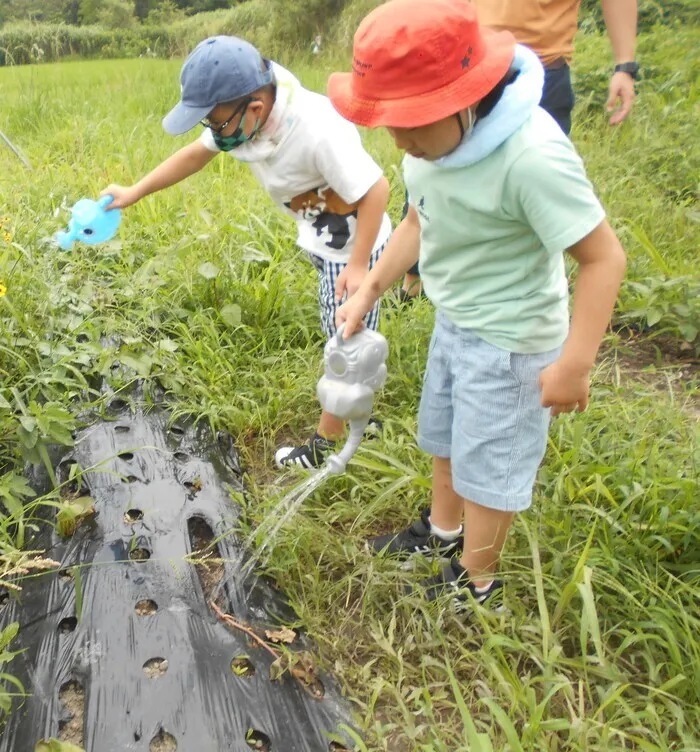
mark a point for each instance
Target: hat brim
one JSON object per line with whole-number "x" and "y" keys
{"x": 429, "y": 107}
{"x": 183, "y": 118}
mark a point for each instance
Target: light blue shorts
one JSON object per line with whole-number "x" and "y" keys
{"x": 481, "y": 408}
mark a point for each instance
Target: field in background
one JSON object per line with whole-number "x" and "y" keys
{"x": 205, "y": 293}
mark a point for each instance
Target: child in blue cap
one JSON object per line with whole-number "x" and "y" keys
{"x": 309, "y": 160}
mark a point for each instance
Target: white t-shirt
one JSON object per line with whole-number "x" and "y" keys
{"x": 312, "y": 163}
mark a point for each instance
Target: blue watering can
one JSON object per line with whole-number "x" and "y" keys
{"x": 91, "y": 223}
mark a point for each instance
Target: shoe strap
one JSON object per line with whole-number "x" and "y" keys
{"x": 321, "y": 441}
{"x": 421, "y": 527}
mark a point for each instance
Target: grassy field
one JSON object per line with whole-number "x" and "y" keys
{"x": 205, "y": 292}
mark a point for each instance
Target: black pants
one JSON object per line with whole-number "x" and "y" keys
{"x": 558, "y": 96}
{"x": 557, "y": 99}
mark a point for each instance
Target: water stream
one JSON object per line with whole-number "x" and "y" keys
{"x": 279, "y": 516}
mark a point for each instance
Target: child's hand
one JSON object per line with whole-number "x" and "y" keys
{"x": 123, "y": 196}
{"x": 353, "y": 311}
{"x": 349, "y": 280}
{"x": 564, "y": 388}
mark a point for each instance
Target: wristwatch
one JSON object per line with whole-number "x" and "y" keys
{"x": 631, "y": 68}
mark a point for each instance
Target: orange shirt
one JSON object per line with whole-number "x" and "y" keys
{"x": 546, "y": 26}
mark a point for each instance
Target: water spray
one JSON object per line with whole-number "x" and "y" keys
{"x": 354, "y": 370}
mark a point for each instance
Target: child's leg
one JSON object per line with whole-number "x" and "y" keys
{"x": 448, "y": 506}
{"x": 330, "y": 427}
{"x": 485, "y": 529}
{"x": 485, "y": 532}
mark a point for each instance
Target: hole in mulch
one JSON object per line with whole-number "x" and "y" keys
{"x": 122, "y": 429}
{"x": 210, "y": 569}
{"x": 66, "y": 575}
{"x": 137, "y": 736}
{"x": 133, "y": 515}
{"x": 335, "y": 747}
{"x": 155, "y": 667}
{"x": 63, "y": 469}
{"x": 82, "y": 338}
{"x": 177, "y": 430}
{"x": 241, "y": 666}
{"x": 126, "y": 456}
{"x": 315, "y": 688}
{"x": 258, "y": 740}
{"x": 139, "y": 554}
{"x": 4, "y": 598}
{"x": 181, "y": 456}
{"x": 69, "y": 488}
{"x": 72, "y": 696}
{"x": 163, "y": 742}
{"x": 130, "y": 479}
{"x": 193, "y": 487}
{"x": 117, "y": 404}
{"x": 146, "y": 607}
{"x": 68, "y": 625}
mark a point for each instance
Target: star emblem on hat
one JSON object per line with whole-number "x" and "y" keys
{"x": 467, "y": 58}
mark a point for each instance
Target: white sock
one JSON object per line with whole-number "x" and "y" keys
{"x": 448, "y": 535}
{"x": 483, "y": 588}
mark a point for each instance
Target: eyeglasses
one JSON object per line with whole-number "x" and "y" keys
{"x": 221, "y": 128}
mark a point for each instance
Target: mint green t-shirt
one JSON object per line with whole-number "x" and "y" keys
{"x": 493, "y": 235}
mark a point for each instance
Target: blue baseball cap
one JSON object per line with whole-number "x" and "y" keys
{"x": 219, "y": 69}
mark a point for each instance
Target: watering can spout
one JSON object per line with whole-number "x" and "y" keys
{"x": 354, "y": 370}
{"x": 91, "y": 222}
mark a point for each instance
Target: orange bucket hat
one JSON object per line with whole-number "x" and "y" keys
{"x": 418, "y": 61}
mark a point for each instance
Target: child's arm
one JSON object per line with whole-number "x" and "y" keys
{"x": 370, "y": 213}
{"x": 601, "y": 260}
{"x": 181, "y": 165}
{"x": 400, "y": 254}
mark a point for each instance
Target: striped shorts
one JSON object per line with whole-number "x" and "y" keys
{"x": 328, "y": 273}
{"x": 481, "y": 407}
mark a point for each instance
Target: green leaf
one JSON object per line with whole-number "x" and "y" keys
{"x": 231, "y": 314}
{"x": 53, "y": 745}
{"x": 255, "y": 254}
{"x": 654, "y": 316}
{"x": 208, "y": 270}
{"x": 4, "y": 404}
{"x": 688, "y": 331}
{"x": 168, "y": 345}
{"x": 16, "y": 485}
{"x": 506, "y": 724}
{"x": 71, "y": 513}
{"x": 142, "y": 364}
{"x": 60, "y": 434}
{"x": 28, "y": 438}
{"x": 8, "y": 634}
{"x": 28, "y": 423}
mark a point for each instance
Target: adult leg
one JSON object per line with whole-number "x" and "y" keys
{"x": 558, "y": 96}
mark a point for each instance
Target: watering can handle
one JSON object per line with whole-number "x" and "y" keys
{"x": 105, "y": 201}
{"x": 339, "y": 334}
{"x": 341, "y": 329}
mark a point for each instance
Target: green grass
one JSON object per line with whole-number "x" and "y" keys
{"x": 598, "y": 650}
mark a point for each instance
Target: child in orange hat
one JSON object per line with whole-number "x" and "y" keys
{"x": 497, "y": 195}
